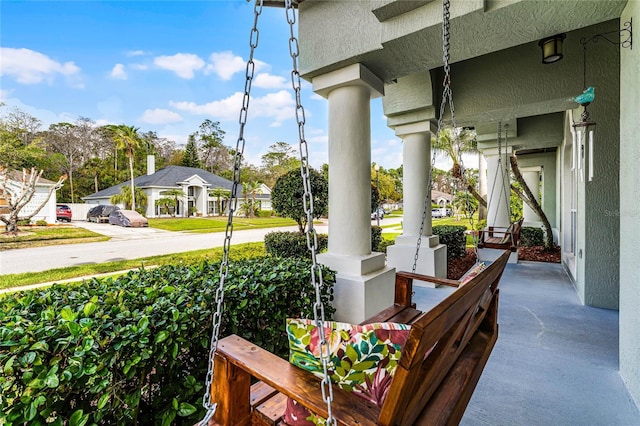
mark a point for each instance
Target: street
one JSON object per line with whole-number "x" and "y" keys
{"x": 129, "y": 243}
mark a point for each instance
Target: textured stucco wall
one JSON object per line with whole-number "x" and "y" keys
{"x": 602, "y": 195}
{"x": 630, "y": 211}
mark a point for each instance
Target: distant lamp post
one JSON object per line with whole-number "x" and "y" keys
{"x": 377, "y": 169}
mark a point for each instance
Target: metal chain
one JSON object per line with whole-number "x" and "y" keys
{"x": 224, "y": 265}
{"x": 498, "y": 169}
{"x": 307, "y": 199}
{"x": 446, "y": 97}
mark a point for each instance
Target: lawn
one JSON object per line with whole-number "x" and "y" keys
{"x": 189, "y": 258}
{"x": 217, "y": 224}
{"x": 37, "y": 236}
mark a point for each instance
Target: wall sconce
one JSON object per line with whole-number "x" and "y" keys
{"x": 552, "y": 48}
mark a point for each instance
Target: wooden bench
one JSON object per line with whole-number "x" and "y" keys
{"x": 445, "y": 353}
{"x": 501, "y": 238}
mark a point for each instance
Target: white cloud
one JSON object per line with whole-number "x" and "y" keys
{"x": 31, "y": 67}
{"x": 136, "y": 53}
{"x": 160, "y": 116}
{"x": 270, "y": 81}
{"x": 226, "y": 64}
{"x": 183, "y": 64}
{"x": 4, "y": 94}
{"x": 118, "y": 72}
{"x": 278, "y": 106}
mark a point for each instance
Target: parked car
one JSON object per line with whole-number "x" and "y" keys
{"x": 379, "y": 213}
{"x": 63, "y": 213}
{"x": 437, "y": 213}
{"x": 100, "y": 214}
{"x": 128, "y": 218}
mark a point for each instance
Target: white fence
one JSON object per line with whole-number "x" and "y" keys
{"x": 79, "y": 210}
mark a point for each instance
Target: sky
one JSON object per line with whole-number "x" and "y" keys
{"x": 165, "y": 66}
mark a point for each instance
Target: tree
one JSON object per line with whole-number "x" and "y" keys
{"x": 532, "y": 201}
{"x": 175, "y": 193}
{"x": 20, "y": 147}
{"x": 63, "y": 138}
{"x": 17, "y": 192}
{"x": 288, "y": 192}
{"x": 190, "y": 156}
{"x": 220, "y": 194}
{"x": 215, "y": 155}
{"x": 251, "y": 188}
{"x": 167, "y": 205}
{"x": 453, "y": 143}
{"x": 128, "y": 139}
{"x": 125, "y": 197}
{"x": 279, "y": 160}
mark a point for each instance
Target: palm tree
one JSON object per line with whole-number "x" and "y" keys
{"x": 220, "y": 194}
{"x": 127, "y": 138}
{"x": 175, "y": 193}
{"x": 250, "y": 188}
{"x": 125, "y": 197}
{"x": 453, "y": 143}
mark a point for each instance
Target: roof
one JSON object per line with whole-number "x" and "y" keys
{"x": 167, "y": 177}
{"x": 16, "y": 175}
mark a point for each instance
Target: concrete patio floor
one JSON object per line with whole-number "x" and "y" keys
{"x": 555, "y": 362}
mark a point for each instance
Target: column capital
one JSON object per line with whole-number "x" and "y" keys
{"x": 424, "y": 126}
{"x": 352, "y": 75}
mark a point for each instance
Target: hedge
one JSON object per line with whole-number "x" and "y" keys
{"x": 453, "y": 237}
{"x": 134, "y": 350}
{"x": 530, "y": 236}
{"x": 292, "y": 244}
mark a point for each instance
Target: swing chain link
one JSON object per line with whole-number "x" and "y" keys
{"x": 446, "y": 97}
{"x": 224, "y": 265}
{"x": 307, "y": 200}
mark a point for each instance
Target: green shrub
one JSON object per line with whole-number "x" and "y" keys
{"x": 134, "y": 350}
{"x": 454, "y": 238}
{"x": 530, "y": 236}
{"x": 265, "y": 213}
{"x": 382, "y": 247}
{"x": 41, "y": 223}
{"x": 292, "y": 244}
{"x": 376, "y": 238}
{"x": 24, "y": 222}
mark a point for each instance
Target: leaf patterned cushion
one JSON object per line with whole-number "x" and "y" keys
{"x": 472, "y": 273}
{"x": 363, "y": 359}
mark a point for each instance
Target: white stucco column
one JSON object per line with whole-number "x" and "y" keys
{"x": 416, "y": 153}
{"x": 498, "y": 186}
{"x": 350, "y": 171}
{"x": 364, "y": 284}
{"x": 531, "y": 177}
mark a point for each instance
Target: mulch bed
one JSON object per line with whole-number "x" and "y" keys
{"x": 457, "y": 267}
{"x": 539, "y": 254}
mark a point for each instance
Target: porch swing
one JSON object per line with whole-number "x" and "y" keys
{"x": 441, "y": 361}
{"x": 495, "y": 237}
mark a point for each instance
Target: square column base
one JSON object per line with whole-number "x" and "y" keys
{"x": 359, "y": 295}
{"x": 432, "y": 258}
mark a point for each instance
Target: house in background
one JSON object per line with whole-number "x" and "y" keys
{"x": 196, "y": 185}
{"x": 48, "y": 211}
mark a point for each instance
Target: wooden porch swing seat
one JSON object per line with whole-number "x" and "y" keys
{"x": 441, "y": 363}
{"x": 501, "y": 238}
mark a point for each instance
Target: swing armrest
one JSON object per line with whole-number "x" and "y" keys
{"x": 237, "y": 360}
{"x": 428, "y": 278}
